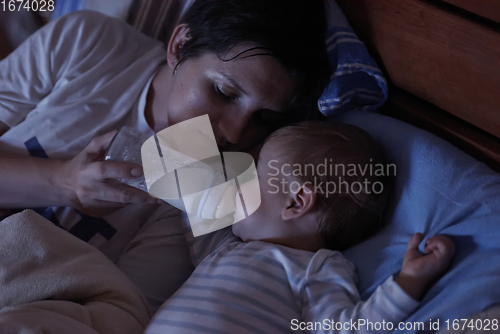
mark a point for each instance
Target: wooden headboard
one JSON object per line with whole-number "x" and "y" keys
{"x": 442, "y": 58}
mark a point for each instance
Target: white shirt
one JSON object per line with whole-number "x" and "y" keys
{"x": 77, "y": 78}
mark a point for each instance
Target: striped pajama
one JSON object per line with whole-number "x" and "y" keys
{"x": 258, "y": 287}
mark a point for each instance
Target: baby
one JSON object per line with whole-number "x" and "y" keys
{"x": 323, "y": 187}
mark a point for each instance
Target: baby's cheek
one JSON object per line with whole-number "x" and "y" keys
{"x": 240, "y": 213}
{"x": 251, "y": 194}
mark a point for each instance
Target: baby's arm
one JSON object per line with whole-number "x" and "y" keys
{"x": 332, "y": 299}
{"x": 420, "y": 270}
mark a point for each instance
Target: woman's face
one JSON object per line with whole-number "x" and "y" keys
{"x": 242, "y": 97}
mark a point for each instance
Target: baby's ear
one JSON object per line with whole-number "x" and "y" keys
{"x": 299, "y": 203}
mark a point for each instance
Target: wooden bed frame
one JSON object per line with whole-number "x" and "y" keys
{"x": 442, "y": 60}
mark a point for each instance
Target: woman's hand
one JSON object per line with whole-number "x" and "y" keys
{"x": 89, "y": 182}
{"x": 419, "y": 270}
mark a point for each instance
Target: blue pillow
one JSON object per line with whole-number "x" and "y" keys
{"x": 439, "y": 190}
{"x": 356, "y": 82}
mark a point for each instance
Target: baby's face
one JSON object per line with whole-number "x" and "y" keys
{"x": 268, "y": 222}
{"x": 264, "y": 223}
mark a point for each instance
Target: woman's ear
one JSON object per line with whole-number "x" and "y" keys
{"x": 299, "y": 204}
{"x": 179, "y": 37}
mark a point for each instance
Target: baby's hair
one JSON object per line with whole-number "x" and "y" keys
{"x": 344, "y": 218}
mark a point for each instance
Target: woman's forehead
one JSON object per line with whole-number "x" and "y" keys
{"x": 246, "y": 50}
{"x": 258, "y": 74}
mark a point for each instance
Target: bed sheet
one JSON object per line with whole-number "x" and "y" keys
{"x": 439, "y": 190}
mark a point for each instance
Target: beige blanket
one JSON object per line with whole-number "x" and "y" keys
{"x": 52, "y": 282}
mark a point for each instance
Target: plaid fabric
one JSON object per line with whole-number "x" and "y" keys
{"x": 356, "y": 81}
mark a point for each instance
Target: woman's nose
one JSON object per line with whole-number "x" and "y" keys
{"x": 232, "y": 128}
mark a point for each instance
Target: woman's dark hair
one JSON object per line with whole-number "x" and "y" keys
{"x": 293, "y": 31}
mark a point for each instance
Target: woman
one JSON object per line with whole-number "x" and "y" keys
{"x": 249, "y": 65}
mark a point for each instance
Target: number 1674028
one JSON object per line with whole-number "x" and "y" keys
{"x": 29, "y": 5}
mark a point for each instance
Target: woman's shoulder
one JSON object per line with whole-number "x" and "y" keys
{"x": 83, "y": 20}
{"x": 93, "y": 28}
{"x": 88, "y": 40}
{"x": 86, "y": 16}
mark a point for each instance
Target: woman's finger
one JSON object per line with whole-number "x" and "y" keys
{"x": 121, "y": 193}
{"x": 98, "y": 144}
{"x": 115, "y": 170}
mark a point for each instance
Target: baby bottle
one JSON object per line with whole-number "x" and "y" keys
{"x": 209, "y": 190}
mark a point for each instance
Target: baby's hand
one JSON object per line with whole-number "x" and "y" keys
{"x": 419, "y": 270}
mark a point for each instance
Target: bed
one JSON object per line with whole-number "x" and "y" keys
{"x": 440, "y": 124}
{"x": 440, "y": 59}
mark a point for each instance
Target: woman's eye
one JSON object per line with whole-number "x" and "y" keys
{"x": 223, "y": 95}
